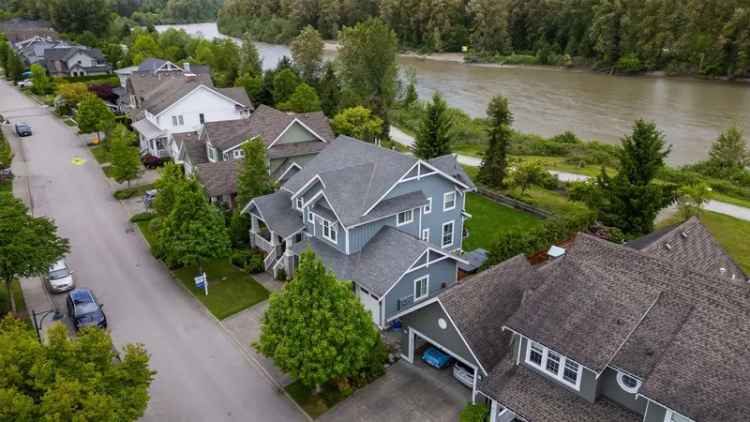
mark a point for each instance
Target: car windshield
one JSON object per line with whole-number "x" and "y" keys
{"x": 58, "y": 274}
{"x": 86, "y": 308}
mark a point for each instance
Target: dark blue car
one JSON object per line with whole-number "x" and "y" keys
{"x": 436, "y": 357}
{"x": 84, "y": 310}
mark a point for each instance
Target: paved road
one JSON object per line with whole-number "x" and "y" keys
{"x": 203, "y": 375}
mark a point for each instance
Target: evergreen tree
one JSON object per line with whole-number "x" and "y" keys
{"x": 495, "y": 163}
{"x": 285, "y": 82}
{"x": 253, "y": 179}
{"x": 434, "y": 134}
{"x": 329, "y": 90}
{"x": 303, "y": 100}
{"x": 169, "y": 182}
{"x": 126, "y": 162}
{"x": 250, "y": 62}
{"x": 194, "y": 231}
{"x": 307, "y": 52}
{"x": 339, "y": 335}
{"x": 729, "y": 155}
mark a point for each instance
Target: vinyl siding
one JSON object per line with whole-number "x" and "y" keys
{"x": 609, "y": 387}
{"x": 296, "y": 134}
{"x": 443, "y": 272}
{"x": 360, "y": 235}
{"x": 655, "y": 413}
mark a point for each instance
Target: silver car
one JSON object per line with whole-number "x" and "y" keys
{"x": 59, "y": 277}
{"x": 464, "y": 374}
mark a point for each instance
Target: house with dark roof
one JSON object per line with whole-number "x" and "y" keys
{"x": 389, "y": 222}
{"x": 605, "y": 332}
{"x": 75, "y": 60}
{"x": 215, "y": 153}
{"x": 165, "y": 99}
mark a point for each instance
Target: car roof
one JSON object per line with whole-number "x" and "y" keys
{"x": 59, "y": 265}
{"x": 82, "y": 295}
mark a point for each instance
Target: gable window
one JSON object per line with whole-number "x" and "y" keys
{"x": 554, "y": 364}
{"x": 672, "y": 416}
{"x": 211, "y": 152}
{"x": 428, "y": 207}
{"x": 300, "y": 203}
{"x": 405, "y": 217}
{"x": 202, "y": 118}
{"x": 310, "y": 217}
{"x": 329, "y": 231}
{"x": 421, "y": 288}
{"x": 238, "y": 153}
{"x": 447, "y": 240}
{"x": 449, "y": 200}
{"x": 628, "y": 383}
{"x": 174, "y": 120}
{"x": 426, "y": 235}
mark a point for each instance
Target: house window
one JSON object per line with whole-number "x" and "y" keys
{"x": 672, "y": 416}
{"x": 447, "y": 240}
{"x": 211, "y": 153}
{"x": 428, "y": 207}
{"x": 330, "y": 231}
{"x": 182, "y": 122}
{"x": 405, "y": 217}
{"x": 449, "y": 200}
{"x": 174, "y": 120}
{"x": 554, "y": 364}
{"x": 300, "y": 203}
{"x": 426, "y": 235}
{"x": 202, "y": 118}
{"x": 238, "y": 153}
{"x": 310, "y": 217}
{"x": 421, "y": 287}
{"x": 628, "y": 383}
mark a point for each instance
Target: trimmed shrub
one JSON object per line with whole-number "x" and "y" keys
{"x": 240, "y": 258}
{"x": 281, "y": 274}
{"x": 142, "y": 216}
{"x": 474, "y": 413}
{"x": 255, "y": 264}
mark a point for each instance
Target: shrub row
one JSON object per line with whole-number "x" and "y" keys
{"x": 248, "y": 260}
{"x": 128, "y": 193}
{"x": 143, "y": 216}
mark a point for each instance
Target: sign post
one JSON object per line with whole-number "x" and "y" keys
{"x": 201, "y": 282}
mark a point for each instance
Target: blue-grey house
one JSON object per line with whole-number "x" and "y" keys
{"x": 389, "y": 222}
{"x": 654, "y": 331}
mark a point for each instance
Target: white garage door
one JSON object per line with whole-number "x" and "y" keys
{"x": 371, "y": 304}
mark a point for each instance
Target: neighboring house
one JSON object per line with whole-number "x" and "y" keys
{"x": 75, "y": 60}
{"x": 32, "y": 49}
{"x": 604, "y": 333}
{"x": 165, "y": 99}
{"x": 388, "y": 222}
{"x": 215, "y": 154}
{"x": 18, "y": 29}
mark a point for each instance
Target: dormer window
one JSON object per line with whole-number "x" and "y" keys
{"x": 554, "y": 364}
{"x": 628, "y": 383}
{"x": 405, "y": 217}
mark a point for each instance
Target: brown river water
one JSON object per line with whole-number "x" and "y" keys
{"x": 547, "y": 101}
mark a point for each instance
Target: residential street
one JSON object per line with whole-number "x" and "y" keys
{"x": 203, "y": 374}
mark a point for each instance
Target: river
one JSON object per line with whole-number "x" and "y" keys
{"x": 547, "y": 101}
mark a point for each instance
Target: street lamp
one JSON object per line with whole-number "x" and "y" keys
{"x": 56, "y": 316}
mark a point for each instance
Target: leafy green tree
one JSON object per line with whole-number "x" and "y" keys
{"x": 692, "y": 198}
{"x": 307, "y": 52}
{"x": 194, "y": 231}
{"x": 13, "y": 65}
{"x": 253, "y": 179}
{"x": 284, "y": 84}
{"x": 126, "y": 161}
{"x": 528, "y": 174}
{"x": 78, "y": 16}
{"x": 631, "y": 200}
{"x": 490, "y": 31}
{"x": 41, "y": 83}
{"x": 169, "y": 182}
{"x": 410, "y": 94}
{"x": 434, "y": 134}
{"x": 144, "y": 47}
{"x": 303, "y": 100}
{"x": 70, "y": 379}
{"x": 329, "y": 89}
{"x": 253, "y": 85}
{"x": 495, "y": 163}
{"x": 250, "y": 62}
{"x": 72, "y": 93}
{"x": 358, "y": 122}
{"x": 338, "y": 332}
{"x": 93, "y": 115}
{"x": 368, "y": 66}
{"x": 729, "y": 154}
{"x": 28, "y": 244}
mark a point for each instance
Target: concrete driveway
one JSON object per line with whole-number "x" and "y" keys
{"x": 405, "y": 393}
{"x": 203, "y": 374}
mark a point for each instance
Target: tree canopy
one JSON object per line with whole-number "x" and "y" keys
{"x": 169, "y": 182}
{"x": 303, "y": 100}
{"x": 253, "y": 179}
{"x": 329, "y": 89}
{"x": 315, "y": 329}
{"x": 70, "y": 379}
{"x": 358, "y": 122}
{"x": 41, "y": 83}
{"x": 250, "y": 62}
{"x": 307, "y": 52}
{"x": 93, "y": 115}
{"x": 285, "y": 81}
{"x": 729, "y": 155}
{"x": 494, "y": 166}
{"x": 126, "y": 160}
{"x": 434, "y": 136}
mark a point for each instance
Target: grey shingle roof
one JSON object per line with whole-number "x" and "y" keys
{"x": 147, "y": 84}
{"x": 219, "y": 178}
{"x": 397, "y": 204}
{"x": 295, "y": 149}
{"x": 269, "y": 123}
{"x": 169, "y": 92}
{"x": 237, "y": 94}
{"x": 227, "y": 134}
{"x": 498, "y": 291}
{"x": 449, "y": 164}
{"x": 537, "y": 399}
{"x": 151, "y": 64}
{"x": 191, "y": 147}
{"x": 692, "y": 245}
{"x": 276, "y": 211}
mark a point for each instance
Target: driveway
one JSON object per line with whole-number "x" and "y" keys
{"x": 405, "y": 393}
{"x": 203, "y": 374}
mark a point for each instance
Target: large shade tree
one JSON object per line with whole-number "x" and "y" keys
{"x": 93, "y": 115}
{"x": 70, "y": 379}
{"x": 307, "y": 52}
{"x": 315, "y": 329}
{"x": 28, "y": 244}
{"x": 169, "y": 182}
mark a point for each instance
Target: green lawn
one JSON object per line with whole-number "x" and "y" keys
{"x": 490, "y": 218}
{"x": 133, "y": 191}
{"x": 15, "y": 289}
{"x": 548, "y": 200}
{"x": 315, "y": 405}
{"x": 101, "y": 155}
{"x": 730, "y": 232}
{"x": 229, "y": 289}
{"x": 730, "y": 199}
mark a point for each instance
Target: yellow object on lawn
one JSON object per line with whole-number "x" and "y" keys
{"x": 78, "y": 161}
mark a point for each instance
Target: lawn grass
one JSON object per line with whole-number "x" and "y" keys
{"x": 130, "y": 192}
{"x": 100, "y": 153}
{"x": 229, "y": 289}
{"x": 17, "y": 292}
{"x": 490, "y": 218}
{"x": 718, "y": 196}
{"x": 731, "y": 233}
{"x": 314, "y": 404}
{"x": 553, "y": 201}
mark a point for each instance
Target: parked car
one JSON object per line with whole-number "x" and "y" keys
{"x": 26, "y": 83}
{"x": 59, "y": 277}
{"x": 84, "y": 310}
{"x": 436, "y": 357}
{"x": 149, "y": 196}
{"x": 464, "y": 374}
{"x": 23, "y": 129}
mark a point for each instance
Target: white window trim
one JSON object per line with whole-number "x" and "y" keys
{"x": 409, "y": 221}
{"x": 298, "y": 203}
{"x": 310, "y": 217}
{"x": 426, "y": 235}
{"x": 669, "y": 413}
{"x": 425, "y": 278}
{"x": 621, "y": 383}
{"x": 174, "y": 120}
{"x": 331, "y": 229}
{"x": 238, "y": 153}
{"x": 442, "y": 234}
{"x": 428, "y": 207}
{"x": 455, "y": 200}
{"x": 181, "y": 119}
{"x": 561, "y": 370}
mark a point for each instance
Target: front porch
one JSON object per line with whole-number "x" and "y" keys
{"x": 153, "y": 140}
{"x": 278, "y": 249}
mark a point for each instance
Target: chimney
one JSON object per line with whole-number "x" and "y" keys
{"x": 186, "y": 67}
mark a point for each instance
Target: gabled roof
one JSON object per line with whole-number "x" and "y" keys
{"x": 219, "y": 178}
{"x": 275, "y": 210}
{"x": 171, "y": 91}
{"x": 145, "y": 84}
{"x": 450, "y": 166}
{"x": 192, "y": 148}
{"x": 66, "y": 52}
{"x": 237, "y": 94}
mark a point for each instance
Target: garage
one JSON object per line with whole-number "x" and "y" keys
{"x": 371, "y": 303}
{"x": 424, "y": 351}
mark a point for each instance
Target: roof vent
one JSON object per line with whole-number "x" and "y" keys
{"x": 556, "y": 252}
{"x": 668, "y": 246}
{"x": 722, "y": 270}
{"x": 684, "y": 235}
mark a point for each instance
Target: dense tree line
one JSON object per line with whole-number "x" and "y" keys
{"x": 709, "y": 37}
